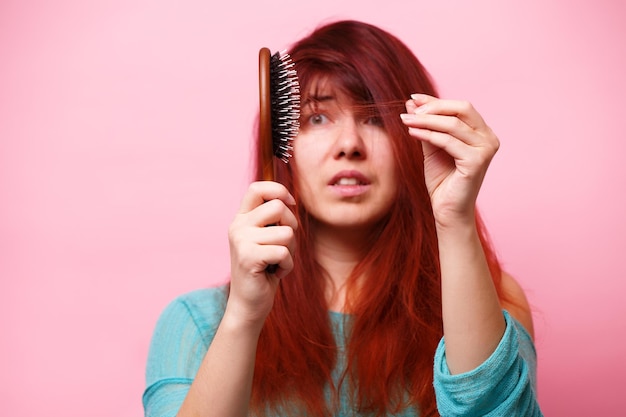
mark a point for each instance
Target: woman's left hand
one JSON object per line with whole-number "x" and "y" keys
{"x": 458, "y": 147}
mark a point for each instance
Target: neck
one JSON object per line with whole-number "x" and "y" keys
{"x": 338, "y": 251}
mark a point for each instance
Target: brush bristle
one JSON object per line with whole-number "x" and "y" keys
{"x": 285, "y": 98}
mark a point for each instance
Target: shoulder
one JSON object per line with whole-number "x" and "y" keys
{"x": 210, "y": 300}
{"x": 183, "y": 332}
{"x": 202, "y": 309}
{"x": 517, "y": 303}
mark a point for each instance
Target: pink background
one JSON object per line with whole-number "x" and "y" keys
{"x": 124, "y": 134}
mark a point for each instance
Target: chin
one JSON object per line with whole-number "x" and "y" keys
{"x": 349, "y": 216}
{"x": 350, "y": 221}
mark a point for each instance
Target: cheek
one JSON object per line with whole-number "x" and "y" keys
{"x": 391, "y": 176}
{"x": 306, "y": 149}
{"x": 305, "y": 163}
{"x": 301, "y": 181}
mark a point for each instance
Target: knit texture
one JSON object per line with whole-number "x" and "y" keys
{"x": 504, "y": 385}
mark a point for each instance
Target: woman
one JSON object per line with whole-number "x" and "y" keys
{"x": 388, "y": 299}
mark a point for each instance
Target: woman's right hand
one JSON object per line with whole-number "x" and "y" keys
{"x": 254, "y": 246}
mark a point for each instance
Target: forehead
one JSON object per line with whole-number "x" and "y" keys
{"x": 329, "y": 85}
{"x": 325, "y": 92}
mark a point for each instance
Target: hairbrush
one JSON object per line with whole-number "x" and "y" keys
{"x": 279, "y": 99}
{"x": 279, "y": 113}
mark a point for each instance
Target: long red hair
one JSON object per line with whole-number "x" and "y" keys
{"x": 396, "y": 315}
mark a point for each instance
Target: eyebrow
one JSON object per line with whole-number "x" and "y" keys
{"x": 318, "y": 99}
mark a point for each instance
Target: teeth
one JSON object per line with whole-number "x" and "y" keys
{"x": 348, "y": 181}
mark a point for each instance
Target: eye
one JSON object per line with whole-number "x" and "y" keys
{"x": 375, "y": 121}
{"x": 317, "y": 119}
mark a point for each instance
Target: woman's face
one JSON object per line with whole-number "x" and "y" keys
{"x": 343, "y": 162}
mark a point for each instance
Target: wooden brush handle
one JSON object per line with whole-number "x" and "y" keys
{"x": 266, "y": 142}
{"x": 265, "y": 116}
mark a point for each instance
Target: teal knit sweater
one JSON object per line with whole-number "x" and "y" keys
{"x": 504, "y": 385}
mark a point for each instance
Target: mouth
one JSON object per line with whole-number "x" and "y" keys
{"x": 349, "y": 179}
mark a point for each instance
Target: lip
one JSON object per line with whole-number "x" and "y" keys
{"x": 350, "y": 190}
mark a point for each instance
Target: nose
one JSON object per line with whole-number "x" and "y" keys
{"x": 349, "y": 143}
